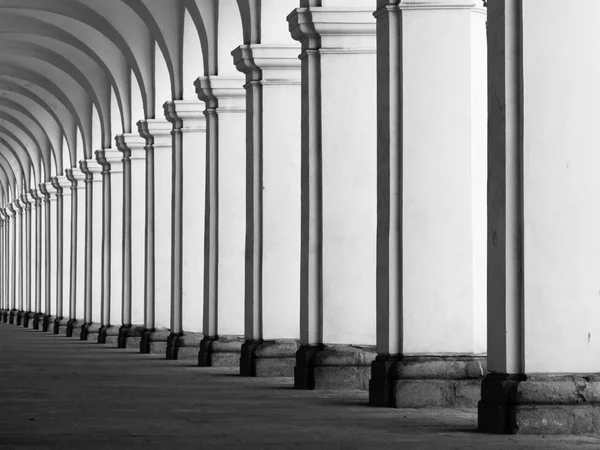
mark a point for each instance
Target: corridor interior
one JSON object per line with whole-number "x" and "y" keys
{"x": 299, "y": 222}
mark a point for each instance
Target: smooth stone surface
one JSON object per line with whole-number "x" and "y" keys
{"x": 60, "y": 393}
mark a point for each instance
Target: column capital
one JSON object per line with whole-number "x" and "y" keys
{"x": 19, "y": 205}
{"x": 110, "y": 160}
{"x": 61, "y": 184}
{"x": 26, "y": 201}
{"x": 390, "y": 5}
{"x": 36, "y": 196}
{"x": 185, "y": 115}
{"x": 223, "y": 93}
{"x": 48, "y": 190}
{"x": 10, "y": 210}
{"x": 156, "y": 132}
{"x": 76, "y": 177}
{"x": 90, "y": 168}
{"x": 131, "y": 145}
{"x": 339, "y": 30}
{"x": 274, "y": 63}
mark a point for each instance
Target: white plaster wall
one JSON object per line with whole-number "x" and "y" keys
{"x": 441, "y": 182}
{"x": 116, "y": 251}
{"x": 33, "y": 257}
{"x": 18, "y": 260}
{"x": 80, "y": 270}
{"x": 53, "y": 252}
{"x": 232, "y": 222}
{"x": 479, "y": 176}
{"x": 194, "y": 199}
{"x": 349, "y": 156}
{"x": 163, "y": 163}
{"x": 561, "y": 186}
{"x": 281, "y": 209}
{"x": 97, "y": 249}
{"x": 43, "y": 308}
{"x": 66, "y": 255}
{"x": 138, "y": 221}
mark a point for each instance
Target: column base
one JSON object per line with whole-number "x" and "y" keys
{"x": 333, "y": 367}
{"x": 5, "y": 315}
{"x": 61, "y": 327}
{"x": 222, "y": 351}
{"x": 56, "y": 325}
{"x": 130, "y": 336}
{"x": 108, "y": 335}
{"x": 71, "y": 325}
{"x": 426, "y": 381}
{"x": 11, "y": 316}
{"x": 275, "y": 358}
{"x": 20, "y": 315}
{"x": 27, "y": 318}
{"x": 38, "y": 318}
{"x": 154, "y": 341}
{"x": 183, "y": 346}
{"x": 539, "y": 404}
{"x": 46, "y": 321}
{"x": 90, "y": 332}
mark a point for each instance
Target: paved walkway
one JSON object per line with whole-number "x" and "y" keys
{"x": 61, "y": 393}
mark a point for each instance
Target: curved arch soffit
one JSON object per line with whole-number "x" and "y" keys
{"x": 10, "y": 87}
{"x": 137, "y": 54}
{"x": 79, "y": 88}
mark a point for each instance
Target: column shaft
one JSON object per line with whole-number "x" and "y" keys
{"x": 158, "y": 226}
{"x": 134, "y": 195}
{"x": 225, "y": 225}
{"x": 272, "y": 270}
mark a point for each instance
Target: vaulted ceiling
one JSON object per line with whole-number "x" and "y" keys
{"x": 76, "y": 73}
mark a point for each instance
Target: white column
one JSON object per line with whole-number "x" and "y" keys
{"x": 19, "y": 209}
{"x": 12, "y": 263}
{"x": 187, "y": 228}
{"x": 339, "y": 179}
{"x": 431, "y": 203}
{"x": 29, "y": 269}
{"x": 93, "y": 249}
{"x": 543, "y": 217}
{"x": 45, "y": 243}
{"x": 272, "y": 272}
{"x": 38, "y": 255}
{"x": 50, "y": 254}
{"x": 3, "y": 307}
{"x": 159, "y": 165}
{"x": 2, "y": 265}
{"x": 6, "y": 268}
{"x": 78, "y": 244}
{"x": 112, "y": 244}
{"x": 134, "y": 210}
{"x": 64, "y": 210}
{"x": 224, "y": 248}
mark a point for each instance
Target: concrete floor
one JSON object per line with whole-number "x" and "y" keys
{"x": 61, "y": 393}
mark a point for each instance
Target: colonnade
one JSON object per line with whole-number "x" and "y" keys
{"x": 313, "y": 203}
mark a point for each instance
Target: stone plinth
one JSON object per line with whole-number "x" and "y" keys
{"x": 223, "y": 351}
{"x": 154, "y": 341}
{"x": 268, "y": 358}
{"x": 27, "y": 318}
{"x": 333, "y": 367}
{"x": 130, "y": 336}
{"x": 426, "y": 381}
{"x": 183, "y": 346}
{"x": 540, "y": 404}
{"x": 109, "y": 335}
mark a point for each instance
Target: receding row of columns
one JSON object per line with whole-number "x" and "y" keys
{"x": 321, "y": 216}
{"x": 293, "y": 221}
